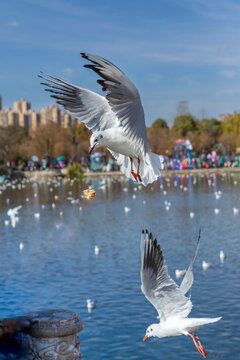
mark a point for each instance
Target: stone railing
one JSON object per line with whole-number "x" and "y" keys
{"x": 44, "y": 335}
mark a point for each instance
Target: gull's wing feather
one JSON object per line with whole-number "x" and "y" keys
{"x": 187, "y": 281}
{"x": 123, "y": 98}
{"x": 91, "y": 108}
{"x": 158, "y": 287}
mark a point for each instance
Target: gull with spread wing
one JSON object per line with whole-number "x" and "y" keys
{"x": 170, "y": 301}
{"x": 117, "y": 120}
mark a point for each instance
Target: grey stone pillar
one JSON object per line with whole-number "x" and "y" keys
{"x": 53, "y": 335}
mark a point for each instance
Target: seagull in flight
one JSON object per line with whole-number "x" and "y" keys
{"x": 116, "y": 120}
{"x": 170, "y": 300}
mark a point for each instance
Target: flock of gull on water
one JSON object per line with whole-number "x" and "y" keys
{"x": 165, "y": 185}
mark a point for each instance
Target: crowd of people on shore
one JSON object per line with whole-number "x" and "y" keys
{"x": 101, "y": 162}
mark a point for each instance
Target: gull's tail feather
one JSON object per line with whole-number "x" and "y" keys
{"x": 149, "y": 168}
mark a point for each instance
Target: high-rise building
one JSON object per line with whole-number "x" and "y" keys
{"x": 0, "y": 102}
{"x": 22, "y": 106}
{"x": 66, "y": 120}
{"x": 12, "y": 118}
{"x": 4, "y": 117}
{"x": 25, "y": 121}
{"x": 56, "y": 115}
{"x": 35, "y": 121}
{"x": 50, "y": 114}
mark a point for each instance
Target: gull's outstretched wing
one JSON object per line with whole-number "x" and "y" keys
{"x": 123, "y": 98}
{"x": 158, "y": 287}
{"x": 187, "y": 281}
{"x": 91, "y": 108}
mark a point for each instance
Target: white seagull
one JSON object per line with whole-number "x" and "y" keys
{"x": 12, "y": 214}
{"x": 117, "y": 121}
{"x": 170, "y": 300}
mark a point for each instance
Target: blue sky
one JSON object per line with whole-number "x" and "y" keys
{"x": 172, "y": 50}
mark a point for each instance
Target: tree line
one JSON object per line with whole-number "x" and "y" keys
{"x": 73, "y": 142}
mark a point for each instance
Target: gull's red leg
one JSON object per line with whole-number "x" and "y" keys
{"x": 138, "y": 175}
{"x": 199, "y": 345}
{"x": 135, "y": 175}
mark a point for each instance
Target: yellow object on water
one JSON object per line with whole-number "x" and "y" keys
{"x": 88, "y": 194}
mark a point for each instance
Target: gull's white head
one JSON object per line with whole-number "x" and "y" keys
{"x": 153, "y": 330}
{"x": 96, "y": 141}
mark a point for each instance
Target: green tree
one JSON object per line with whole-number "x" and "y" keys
{"x": 159, "y": 124}
{"x": 184, "y": 124}
{"x": 231, "y": 125}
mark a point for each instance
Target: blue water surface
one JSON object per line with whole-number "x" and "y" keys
{"x": 57, "y": 267}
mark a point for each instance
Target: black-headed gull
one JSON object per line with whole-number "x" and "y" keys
{"x": 117, "y": 120}
{"x": 170, "y": 301}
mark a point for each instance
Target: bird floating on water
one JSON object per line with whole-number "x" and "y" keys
{"x": 191, "y": 214}
{"x": 222, "y": 256}
{"x": 117, "y": 120}
{"x": 180, "y": 273}
{"x": 170, "y": 301}
{"x": 206, "y": 265}
{"x": 91, "y": 304}
{"x": 96, "y": 250}
{"x": 127, "y": 209}
{"x": 235, "y": 211}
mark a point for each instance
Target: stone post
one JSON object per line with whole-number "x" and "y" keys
{"x": 53, "y": 335}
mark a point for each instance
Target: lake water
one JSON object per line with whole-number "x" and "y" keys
{"x": 57, "y": 266}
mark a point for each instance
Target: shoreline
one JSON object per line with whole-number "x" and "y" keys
{"x": 92, "y": 174}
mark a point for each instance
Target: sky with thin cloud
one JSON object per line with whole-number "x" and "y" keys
{"x": 172, "y": 50}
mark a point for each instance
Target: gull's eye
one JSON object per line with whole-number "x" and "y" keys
{"x": 101, "y": 136}
{"x": 95, "y": 140}
{"x": 151, "y": 329}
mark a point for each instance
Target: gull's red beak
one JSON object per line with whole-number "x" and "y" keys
{"x": 91, "y": 149}
{"x": 145, "y": 338}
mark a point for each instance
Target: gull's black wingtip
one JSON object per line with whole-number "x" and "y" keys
{"x": 143, "y": 232}
{"x": 84, "y": 55}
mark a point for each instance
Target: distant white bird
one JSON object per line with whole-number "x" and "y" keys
{"x": 191, "y": 214}
{"x": 37, "y": 215}
{"x": 91, "y": 304}
{"x": 180, "y": 273}
{"x": 127, "y": 209}
{"x": 21, "y": 246}
{"x": 96, "y": 250}
{"x": 206, "y": 265}
{"x": 170, "y": 301}
{"x": 235, "y": 211}
{"x": 222, "y": 256}
{"x": 61, "y": 213}
{"x": 117, "y": 120}
{"x": 216, "y": 211}
{"x": 6, "y": 222}
{"x": 12, "y": 213}
{"x": 134, "y": 196}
